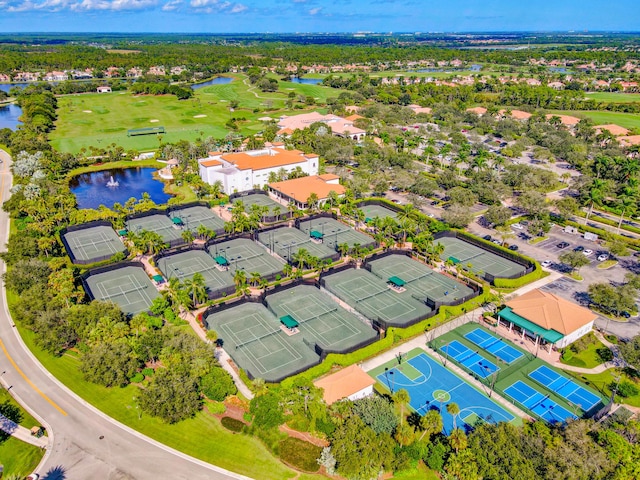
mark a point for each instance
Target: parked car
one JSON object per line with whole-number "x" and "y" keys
{"x": 563, "y": 245}
{"x": 546, "y": 263}
{"x": 603, "y": 256}
{"x": 513, "y": 248}
{"x": 517, "y": 226}
{"x": 496, "y": 241}
{"x": 587, "y": 252}
{"x": 487, "y": 238}
{"x": 579, "y": 248}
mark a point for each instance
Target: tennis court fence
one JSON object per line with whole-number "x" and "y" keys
{"x": 285, "y": 213}
{"x": 84, "y": 226}
{"x": 109, "y": 268}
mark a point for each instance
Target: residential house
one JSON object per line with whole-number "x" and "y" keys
{"x": 55, "y": 77}
{"x": 339, "y": 126}
{"x": 157, "y": 70}
{"x": 477, "y": 110}
{"x": 556, "y": 85}
{"x": 615, "y": 130}
{"x": 244, "y": 171}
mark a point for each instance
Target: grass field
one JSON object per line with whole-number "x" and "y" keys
{"x": 19, "y": 458}
{"x": 202, "y": 436}
{"x": 587, "y": 358}
{"x": 627, "y": 120}
{"x": 613, "y": 97}
{"x": 99, "y": 120}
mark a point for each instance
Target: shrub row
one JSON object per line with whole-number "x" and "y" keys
{"x": 513, "y": 283}
{"x": 300, "y": 454}
{"x": 232, "y": 424}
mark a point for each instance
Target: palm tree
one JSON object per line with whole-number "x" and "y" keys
{"x": 196, "y": 288}
{"x": 287, "y": 270}
{"x": 596, "y": 194}
{"x": 255, "y": 278}
{"x": 187, "y": 236}
{"x": 343, "y": 248}
{"x": 401, "y": 397}
{"x": 458, "y": 439}
{"x": 240, "y": 278}
{"x": 277, "y": 210}
{"x": 202, "y": 231}
{"x": 628, "y": 201}
{"x": 312, "y": 201}
{"x": 301, "y": 257}
{"x": 453, "y": 409}
{"x": 431, "y": 423}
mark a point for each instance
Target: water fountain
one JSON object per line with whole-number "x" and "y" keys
{"x": 113, "y": 183}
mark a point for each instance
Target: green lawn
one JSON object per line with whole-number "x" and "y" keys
{"x": 587, "y": 357}
{"x": 19, "y": 458}
{"x": 613, "y": 97}
{"x": 627, "y": 120}
{"x": 98, "y": 120}
{"x": 601, "y": 382}
{"x": 202, "y": 436}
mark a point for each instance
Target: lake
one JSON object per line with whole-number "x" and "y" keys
{"x": 5, "y": 87}
{"x": 306, "y": 81}
{"x": 91, "y": 189}
{"x": 213, "y": 81}
{"x": 9, "y": 115}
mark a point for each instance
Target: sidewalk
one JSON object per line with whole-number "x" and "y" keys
{"x": 21, "y": 433}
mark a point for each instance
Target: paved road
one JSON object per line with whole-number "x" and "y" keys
{"x": 84, "y": 443}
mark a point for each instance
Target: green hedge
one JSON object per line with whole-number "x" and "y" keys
{"x": 232, "y": 424}
{"x": 513, "y": 283}
{"x": 610, "y": 222}
{"x": 605, "y": 234}
{"x": 300, "y": 454}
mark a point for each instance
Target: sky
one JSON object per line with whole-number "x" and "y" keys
{"x": 290, "y": 16}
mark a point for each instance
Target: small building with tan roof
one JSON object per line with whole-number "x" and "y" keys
{"x": 239, "y": 172}
{"x": 547, "y": 319}
{"x": 613, "y": 129}
{"x": 418, "y": 109}
{"x": 515, "y": 114}
{"x": 566, "y": 120}
{"x": 339, "y": 126}
{"x": 629, "y": 140}
{"x": 477, "y": 110}
{"x": 351, "y": 383}
{"x": 299, "y": 190}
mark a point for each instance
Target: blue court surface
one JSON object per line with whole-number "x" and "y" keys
{"x": 470, "y": 359}
{"x": 538, "y": 403}
{"x": 435, "y": 387}
{"x": 565, "y": 388}
{"x": 494, "y": 345}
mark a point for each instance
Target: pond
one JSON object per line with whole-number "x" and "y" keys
{"x": 91, "y": 189}
{"x": 5, "y": 87}
{"x": 306, "y": 81}
{"x": 9, "y": 115}
{"x": 213, "y": 81}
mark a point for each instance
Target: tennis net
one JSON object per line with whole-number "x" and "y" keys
{"x": 255, "y": 339}
{"x": 125, "y": 292}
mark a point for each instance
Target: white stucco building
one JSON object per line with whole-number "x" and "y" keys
{"x": 340, "y": 127}
{"x": 351, "y": 382}
{"x": 243, "y": 171}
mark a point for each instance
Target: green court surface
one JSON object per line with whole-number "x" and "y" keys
{"x": 321, "y": 320}
{"x": 244, "y": 254}
{"x": 252, "y": 336}
{"x": 333, "y": 233}
{"x": 371, "y": 296}
{"x": 185, "y": 264}
{"x": 509, "y": 374}
{"x": 158, "y": 223}
{"x": 286, "y": 242}
{"x": 263, "y": 201}
{"x": 129, "y": 287}
{"x": 421, "y": 281}
{"x": 480, "y": 259}
{"x": 373, "y": 211}
{"x": 193, "y": 217}
{"x": 93, "y": 244}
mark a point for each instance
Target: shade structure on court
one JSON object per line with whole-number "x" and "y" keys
{"x": 176, "y": 220}
{"x": 289, "y": 322}
{"x": 316, "y": 234}
{"x": 454, "y": 260}
{"x": 122, "y": 232}
{"x": 550, "y": 336}
{"x": 158, "y": 278}
{"x": 397, "y": 281}
{"x": 220, "y": 260}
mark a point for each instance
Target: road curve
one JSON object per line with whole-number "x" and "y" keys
{"x": 84, "y": 442}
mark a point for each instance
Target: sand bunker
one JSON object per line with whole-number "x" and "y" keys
{"x": 199, "y": 116}
{"x": 87, "y": 111}
{"x": 154, "y": 120}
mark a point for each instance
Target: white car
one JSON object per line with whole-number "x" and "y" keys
{"x": 546, "y": 263}
{"x": 587, "y": 252}
{"x": 517, "y": 226}
{"x": 603, "y": 256}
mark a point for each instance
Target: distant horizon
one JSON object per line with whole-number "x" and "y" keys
{"x": 315, "y": 16}
{"x": 576, "y": 33}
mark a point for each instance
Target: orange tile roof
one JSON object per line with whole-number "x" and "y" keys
{"x": 301, "y": 188}
{"x": 328, "y": 176}
{"x": 565, "y": 119}
{"x": 477, "y": 110}
{"x": 614, "y": 129}
{"x": 630, "y": 140}
{"x": 344, "y": 383}
{"x": 354, "y": 117}
{"x": 517, "y": 114}
{"x": 551, "y": 312}
{"x": 244, "y": 161}
{"x": 210, "y": 163}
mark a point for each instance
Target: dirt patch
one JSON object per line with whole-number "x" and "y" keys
{"x": 307, "y": 437}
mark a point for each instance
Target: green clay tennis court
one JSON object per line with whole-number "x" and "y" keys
{"x": 286, "y": 242}
{"x": 129, "y": 287}
{"x": 93, "y": 244}
{"x": 244, "y": 254}
{"x": 193, "y": 217}
{"x": 371, "y": 296}
{"x": 377, "y": 211}
{"x": 333, "y": 233}
{"x": 253, "y": 337}
{"x": 420, "y": 280}
{"x": 320, "y": 319}
{"x": 263, "y": 201}
{"x": 480, "y": 259}
{"x": 158, "y": 223}
{"x": 185, "y": 264}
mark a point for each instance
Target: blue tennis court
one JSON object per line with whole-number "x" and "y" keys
{"x": 538, "y": 403}
{"x": 494, "y": 345}
{"x": 565, "y": 387}
{"x": 470, "y": 359}
{"x": 434, "y": 387}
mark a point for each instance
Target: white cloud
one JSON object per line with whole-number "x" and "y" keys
{"x": 238, "y": 8}
{"x": 171, "y": 5}
{"x": 315, "y": 11}
{"x": 83, "y": 5}
{"x": 216, "y": 6}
